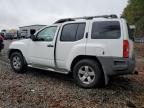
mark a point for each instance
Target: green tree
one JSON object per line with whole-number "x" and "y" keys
{"x": 134, "y": 13}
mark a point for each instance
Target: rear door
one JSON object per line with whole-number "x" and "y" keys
{"x": 71, "y": 42}
{"x": 105, "y": 38}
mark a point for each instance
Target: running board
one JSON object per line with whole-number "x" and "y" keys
{"x": 63, "y": 71}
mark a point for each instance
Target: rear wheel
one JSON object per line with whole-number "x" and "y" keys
{"x": 87, "y": 73}
{"x": 18, "y": 62}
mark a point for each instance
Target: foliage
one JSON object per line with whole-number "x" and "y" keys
{"x": 134, "y": 13}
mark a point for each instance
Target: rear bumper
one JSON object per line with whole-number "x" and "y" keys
{"x": 118, "y": 66}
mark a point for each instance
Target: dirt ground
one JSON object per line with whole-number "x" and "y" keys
{"x": 42, "y": 89}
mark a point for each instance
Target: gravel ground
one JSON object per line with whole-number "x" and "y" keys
{"x": 42, "y": 89}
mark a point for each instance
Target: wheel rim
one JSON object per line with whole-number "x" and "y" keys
{"x": 16, "y": 62}
{"x": 86, "y": 74}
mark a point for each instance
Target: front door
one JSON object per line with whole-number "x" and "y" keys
{"x": 41, "y": 51}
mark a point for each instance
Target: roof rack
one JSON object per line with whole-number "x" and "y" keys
{"x": 87, "y": 18}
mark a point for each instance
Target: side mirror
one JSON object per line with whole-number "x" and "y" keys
{"x": 132, "y": 38}
{"x": 33, "y": 37}
{"x": 132, "y": 29}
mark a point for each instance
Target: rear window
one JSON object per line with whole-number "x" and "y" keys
{"x": 106, "y": 30}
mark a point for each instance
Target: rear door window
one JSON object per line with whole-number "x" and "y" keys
{"x": 73, "y": 32}
{"x": 80, "y": 31}
{"x": 106, "y": 30}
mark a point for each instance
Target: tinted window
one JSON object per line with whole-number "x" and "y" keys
{"x": 130, "y": 32}
{"x": 72, "y": 32}
{"x": 80, "y": 31}
{"x": 69, "y": 32}
{"x": 106, "y": 30}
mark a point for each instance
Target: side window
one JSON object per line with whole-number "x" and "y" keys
{"x": 106, "y": 30}
{"x": 130, "y": 32}
{"x": 72, "y": 32}
{"x": 80, "y": 31}
{"x": 47, "y": 34}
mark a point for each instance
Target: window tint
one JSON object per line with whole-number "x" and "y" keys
{"x": 72, "y": 32}
{"x": 80, "y": 31}
{"x": 47, "y": 34}
{"x": 106, "y": 30}
{"x": 130, "y": 32}
{"x": 69, "y": 32}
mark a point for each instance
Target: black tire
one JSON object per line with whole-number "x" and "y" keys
{"x": 93, "y": 65}
{"x": 22, "y": 66}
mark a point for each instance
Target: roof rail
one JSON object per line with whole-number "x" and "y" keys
{"x": 64, "y": 20}
{"x": 87, "y": 18}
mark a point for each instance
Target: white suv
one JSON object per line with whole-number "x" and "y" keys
{"x": 92, "y": 48}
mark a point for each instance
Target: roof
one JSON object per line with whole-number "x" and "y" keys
{"x": 33, "y": 25}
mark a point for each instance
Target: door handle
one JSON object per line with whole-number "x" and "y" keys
{"x": 50, "y": 45}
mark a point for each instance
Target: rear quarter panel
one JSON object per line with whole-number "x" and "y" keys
{"x": 105, "y": 47}
{"x": 126, "y": 37}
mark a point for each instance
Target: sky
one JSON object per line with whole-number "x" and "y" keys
{"x": 16, "y": 13}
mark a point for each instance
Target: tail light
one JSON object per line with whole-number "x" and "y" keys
{"x": 125, "y": 49}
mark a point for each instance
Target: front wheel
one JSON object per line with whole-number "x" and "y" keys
{"x": 18, "y": 62}
{"x": 87, "y": 73}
